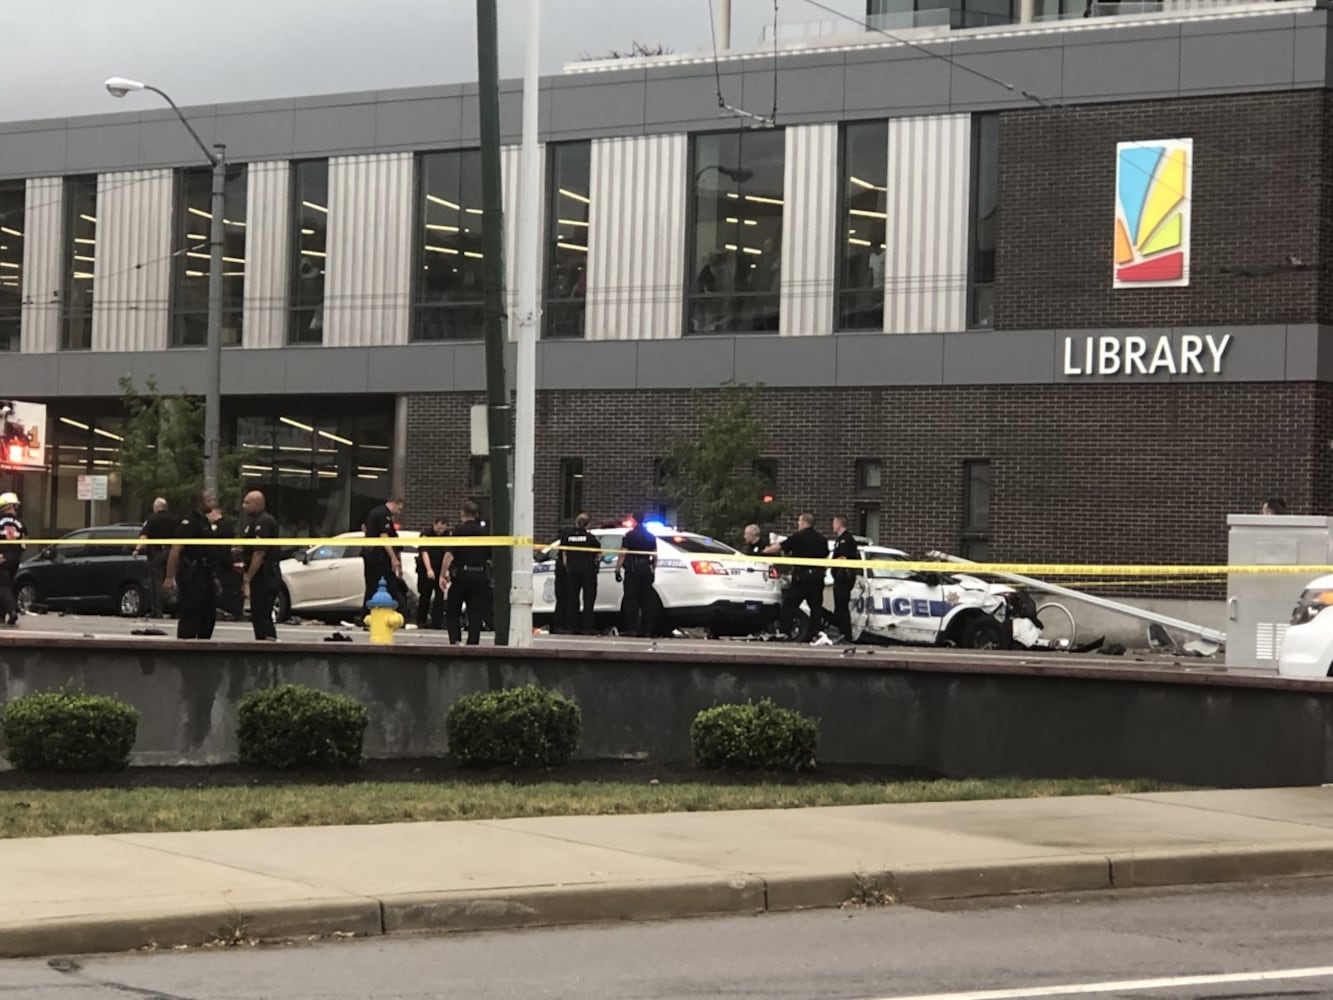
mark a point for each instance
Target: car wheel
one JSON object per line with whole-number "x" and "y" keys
{"x": 130, "y": 601}
{"x": 26, "y": 595}
{"x": 282, "y": 606}
{"x": 982, "y": 632}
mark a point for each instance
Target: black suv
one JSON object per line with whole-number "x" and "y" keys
{"x": 98, "y": 578}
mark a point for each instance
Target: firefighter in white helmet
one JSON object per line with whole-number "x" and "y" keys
{"x": 11, "y": 551}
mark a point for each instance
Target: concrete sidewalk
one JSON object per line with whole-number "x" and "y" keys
{"x": 84, "y": 894}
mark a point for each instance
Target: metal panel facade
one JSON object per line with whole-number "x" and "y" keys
{"x": 369, "y": 264}
{"x": 925, "y": 271}
{"x": 132, "y": 272}
{"x": 809, "y": 229}
{"x": 43, "y": 223}
{"x": 636, "y": 256}
{"x": 267, "y": 253}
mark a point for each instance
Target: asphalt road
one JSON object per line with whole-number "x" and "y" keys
{"x": 1232, "y": 938}
{"x": 57, "y": 625}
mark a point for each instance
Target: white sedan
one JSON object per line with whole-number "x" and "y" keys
{"x": 328, "y": 581}
{"x": 700, "y": 582}
{"x": 1307, "y": 646}
{"x": 925, "y": 608}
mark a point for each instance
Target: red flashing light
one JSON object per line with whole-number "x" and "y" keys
{"x": 768, "y": 498}
{"x": 627, "y": 523}
{"x": 16, "y": 451}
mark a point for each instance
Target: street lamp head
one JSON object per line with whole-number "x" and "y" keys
{"x": 738, "y": 174}
{"x": 119, "y": 86}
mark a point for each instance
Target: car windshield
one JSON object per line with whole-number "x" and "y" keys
{"x": 699, "y": 546}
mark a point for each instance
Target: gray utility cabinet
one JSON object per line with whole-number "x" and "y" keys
{"x": 1259, "y": 605}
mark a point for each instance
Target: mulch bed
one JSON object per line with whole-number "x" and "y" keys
{"x": 442, "y": 769}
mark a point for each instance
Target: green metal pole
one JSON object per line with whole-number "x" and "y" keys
{"x": 500, "y": 424}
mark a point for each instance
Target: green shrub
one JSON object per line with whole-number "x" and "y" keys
{"x": 760, "y": 737}
{"x": 68, "y": 731}
{"x": 516, "y": 727}
{"x": 294, "y": 726}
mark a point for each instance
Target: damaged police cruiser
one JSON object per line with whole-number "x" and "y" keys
{"x": 944, "y": 609}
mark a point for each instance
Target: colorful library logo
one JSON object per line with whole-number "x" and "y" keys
{"x": 1152, "y": 213}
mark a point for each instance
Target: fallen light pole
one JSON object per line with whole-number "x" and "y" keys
{"x": 1209, "y": 639}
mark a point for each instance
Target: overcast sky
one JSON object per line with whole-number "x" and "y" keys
{"x": 57, "y": 53}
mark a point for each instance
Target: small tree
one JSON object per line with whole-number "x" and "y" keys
{"x": 712, "y": 476}
{"x": 163, "y": 450}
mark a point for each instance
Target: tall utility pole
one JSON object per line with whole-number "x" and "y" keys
{"x": 529, "y": 318}
{"x": 213, "y": 378}
{"x": 499, "y": 414}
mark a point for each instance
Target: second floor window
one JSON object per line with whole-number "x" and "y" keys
{"x": 80, "y": 256}
{"x": 189, "y": 291}
{"x": 862, "y": 243}
{"x": 310, "y": 241}
{"x": 448, "y": 302}
{"x": 735, "y": 255}
{"x": 12, "y": 227}
{"x": 985, "y": 218}
{"x": 567, "y": 204}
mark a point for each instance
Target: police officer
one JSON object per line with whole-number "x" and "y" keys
{"x": 192, "y": 572}
{"x": 753, "y": 544}
{"x": 262, "y": 578}
{"x": 844, "y": 547}
{"x": 430, "y": 577}
{"x": 381, "y": 561}
{"x": 465, "y": 568}
{"x": 807, "y": 582}
{"x": 560, "y": 613}
{"x": 11, "y": 552}
{"x": 159, "y": 529}
{"x": 580, "y": 575}
{"x": 638, "y": 562}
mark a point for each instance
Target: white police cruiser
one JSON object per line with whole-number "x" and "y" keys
{"x": 699, "y": 583}
{"x": 927, "y": 608}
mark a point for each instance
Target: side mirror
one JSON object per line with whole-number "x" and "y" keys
{"x": 930, "y": 579}
{"x": 303, "y": 556}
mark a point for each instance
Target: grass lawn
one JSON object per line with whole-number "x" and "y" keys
{"x": 29, "y": 812}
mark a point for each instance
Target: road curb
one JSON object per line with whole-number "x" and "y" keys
{"x": 549, "y": 906}
{"x": 86, "y": 935}
{"x": 740, "y": 893}
{"x": 1145, "y": 869}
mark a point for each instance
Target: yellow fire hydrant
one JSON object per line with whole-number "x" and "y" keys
{"x": 384, "y": 620}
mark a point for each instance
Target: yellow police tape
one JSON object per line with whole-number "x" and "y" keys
{"x": 1140, "y": 572}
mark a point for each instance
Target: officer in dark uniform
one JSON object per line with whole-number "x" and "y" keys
{"x": 580, "y": 575}
{"x": 754, "y": 543}
{"x": 158, "y": 529}
{"x": 192, "y": 571}
{"x": 381, "y": 561}
{"x": 639, "y": 565}
{"x": 262, "y": 577}
{"x": 807, "y": 582}
{"x": 430, "y": 577}
{"x": 844, "y": 547}
{"x": 11, "y": 553}
{"x": 465, "y": 567}
{"x": 227, "y": 567}
{"x": 560, "y": 613}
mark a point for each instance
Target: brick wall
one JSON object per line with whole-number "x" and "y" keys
{"x": 1088, "y": 473}
{"x": 1261, "y": 187}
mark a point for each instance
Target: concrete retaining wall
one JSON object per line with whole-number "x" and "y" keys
{"x": 961, "y": 716}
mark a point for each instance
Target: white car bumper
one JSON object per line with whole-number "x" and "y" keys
{"x": 1307, "y": 649}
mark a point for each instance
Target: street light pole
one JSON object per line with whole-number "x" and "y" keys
{"x": 213, "y": 368}
{"x": 119, "y": 86}
{"x": 525, "y": 374}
